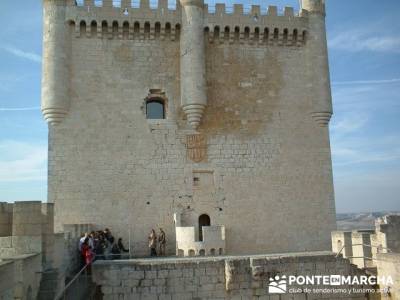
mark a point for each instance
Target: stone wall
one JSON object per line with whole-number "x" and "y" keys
{"x": 363, "y": 246}
{"x": 265, "y": 171}
{"x": 34, "y": 252}
{"x": 31, "y": 225}
{"x": 6, "y": 285}
{"x": 389, "y": 228}
{"x": 20, "y": 277}
{"x": 234, "y": 277}
{"x": 342, "y": 243}
{"x": 213, "y": 242}
{"x": 5, "y": 219}
{"x": 389, "y": 265}
{"x": 362, "y": 254}
{"x": 15, "y": 245}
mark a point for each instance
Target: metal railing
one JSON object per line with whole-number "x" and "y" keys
{"x": 78, "y": 287}
{"x": 366, "y": 245}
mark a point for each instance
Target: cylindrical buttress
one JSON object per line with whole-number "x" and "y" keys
{"x": 317, "y": 53}
{"x": 55, "y": 72}
{"x": 193, "y": 70}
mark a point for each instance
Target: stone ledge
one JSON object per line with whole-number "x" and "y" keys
{"x": 197, "y": 259}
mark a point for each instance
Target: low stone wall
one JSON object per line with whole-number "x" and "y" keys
{"x": 16, "y": 245}
{"x": 388, "y": 264}
{"x": 5, "y": 218}
{"x": 341, "y": 243}
{"x": 224, "y": 277}
{"x": 6, "y": 282}
{"x": 389, "y": 225}
{"x": 213, "y": 242}
{"x": 20, "y": 276}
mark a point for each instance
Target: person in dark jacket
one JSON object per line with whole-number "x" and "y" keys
{"x": 153, "y": 243}
{"x": 161, "y": 242}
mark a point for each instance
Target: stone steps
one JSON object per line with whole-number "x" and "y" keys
{"x": 48, "y": 285}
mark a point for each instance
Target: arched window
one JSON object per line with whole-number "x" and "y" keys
{"x": 295, "y": 36}
{"x": 304, "y": 36}
{"x": 266, "y": 35}
{"x": 256, "y": 34}
{"x": 285, "y": 35}
{"x": 168, "y": 30}
{"x": 226, "y": 33}
{"x": 204, "y": 220}
{"x": 147, "y": 30}
{"x": 82, "y": 28}
{"x": 177, "y": 30}
{"x": 237, "y": 33}
{"x": 155, "y": 108}
{"x": 276, "y": 34}
{"x": 125, "y": 30}
{"x": 93, "y": 29}
{"x": 157, "y": 30}
{"x": 246, "y": 33}
{"x": 216, "y": 33}
{"x": 115, "y": 29}
{"x": 104, "y": 29}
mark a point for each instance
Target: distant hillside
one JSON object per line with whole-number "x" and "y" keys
{"x": 351, "y": 221}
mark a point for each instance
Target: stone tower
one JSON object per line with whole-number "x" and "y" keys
{"x": 202, "y": 116}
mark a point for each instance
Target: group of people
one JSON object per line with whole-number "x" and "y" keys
{"x": 154, "y": 240}
{"x": 100, "y": 245}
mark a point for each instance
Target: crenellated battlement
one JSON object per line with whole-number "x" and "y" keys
{"x": 222, "y": 24}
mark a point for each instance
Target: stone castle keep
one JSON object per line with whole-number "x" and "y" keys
{"x": 211, "y": 124}
{"x": 182, "y": 118}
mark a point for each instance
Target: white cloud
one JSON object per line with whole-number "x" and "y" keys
{"x": 20, "y": 161}
{"x": 352, "y": 157}
{"x": 19, "y": 108}
{"x": 357, "y": 82}
{"x": 23, "y": 54}
{"x": 366, "y": 98}
{"x": 365, "y": 40}
{"x": 363, "y": 150}
{"x": 349, "y": 123}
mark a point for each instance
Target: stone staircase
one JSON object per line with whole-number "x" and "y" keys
{"x": 82, "y": 287}
{"x": 49, "y": 285}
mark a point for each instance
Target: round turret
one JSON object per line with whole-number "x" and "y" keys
{"x": 193, "y": 70}
{"x": 318, "y": 67}
{"x": 313, "y": 6}
{"x": 55, "y": 78}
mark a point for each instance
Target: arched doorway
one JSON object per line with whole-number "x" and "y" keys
{"x": 204, "y": 220}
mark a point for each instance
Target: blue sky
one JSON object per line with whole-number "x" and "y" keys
{"x": 364, "y": 49}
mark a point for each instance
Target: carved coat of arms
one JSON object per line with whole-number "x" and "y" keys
{"x": 196, "y": 147}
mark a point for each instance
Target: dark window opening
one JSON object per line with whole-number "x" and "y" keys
{"x": 155, "y": 109}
